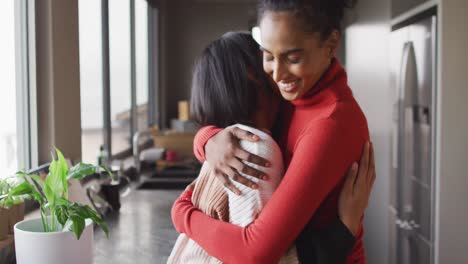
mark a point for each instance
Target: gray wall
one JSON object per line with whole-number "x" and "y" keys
{"x": 400, "y": 6}
{"x": 452, "y": 145}
{"x": 367, "y": 62}
{"x": 186, "y": 28}
{"x": 58, "y": 79}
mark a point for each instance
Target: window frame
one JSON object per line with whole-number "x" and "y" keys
{"x": 153, "y": 75}
{"x": 26, "y": 91}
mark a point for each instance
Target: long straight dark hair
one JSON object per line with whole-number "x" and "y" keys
{"x": 222, "y": 93}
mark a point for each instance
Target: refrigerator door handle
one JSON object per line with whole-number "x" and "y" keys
{"x": 407, "y": 100}
{"x": 408, "y": 76}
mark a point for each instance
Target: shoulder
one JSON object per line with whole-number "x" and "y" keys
{"x": 265, "y": 138}
{"x": 342, "y": 114}
{"x": 345, "y": 122}
{"x": 266, "y": 147}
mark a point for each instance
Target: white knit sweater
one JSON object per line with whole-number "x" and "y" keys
{"x": 242, "y": 209}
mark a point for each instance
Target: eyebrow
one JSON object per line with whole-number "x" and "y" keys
{"x": 286, "y": 53}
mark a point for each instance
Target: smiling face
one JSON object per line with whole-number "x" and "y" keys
{"x": 294, "y": 58}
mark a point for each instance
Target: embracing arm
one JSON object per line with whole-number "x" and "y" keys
{"x": 199, "y": 142}
{"x": 333, "y": 243}
{"x": 226, "y": 161}
{"x": 320, "y": 160}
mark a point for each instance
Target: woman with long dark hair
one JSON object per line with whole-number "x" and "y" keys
{"x": 230, "y": 89}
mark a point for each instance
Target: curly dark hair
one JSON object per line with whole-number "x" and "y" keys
{"x": 323, "y": 16}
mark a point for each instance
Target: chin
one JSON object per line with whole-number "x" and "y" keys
{"x": 289, "y": 96}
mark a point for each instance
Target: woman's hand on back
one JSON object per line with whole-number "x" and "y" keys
{"x": 356, "y": 191}
{"x": 225, "y": 155}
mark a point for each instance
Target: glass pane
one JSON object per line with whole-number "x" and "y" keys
{"x": 141, "y": 50}
{"x": 90, "y": 79}
{"x": 8, "y": 142}
{"x": 119, "y": 42}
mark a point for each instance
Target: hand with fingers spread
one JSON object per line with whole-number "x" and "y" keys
{"x": 357, "y": 188}
{"x": 225, "y": 155}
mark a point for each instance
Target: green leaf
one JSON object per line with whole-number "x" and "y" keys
{"x": 50, "y": 195}
{"x": 86, "y": 212}
{"x": 112, "y": 176}
{"x": 81, "y": 170}
{"x": 36, "y": 195}
{"x": 7, "y": 203}
{"x": 23, "y": 188}
{"x": 56, "y": 179}
{"x": 61, "y": 212}
{"x": 37, "y": 179}
{"x": 63, "y": 202}
{"x": 63, "y": 176}
{"x": 4, "y": 187}
{"x": 98, "y": 220}
{"x": 78, "y": 225}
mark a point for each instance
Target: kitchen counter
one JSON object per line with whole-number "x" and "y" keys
{"x": 141, "y": 232}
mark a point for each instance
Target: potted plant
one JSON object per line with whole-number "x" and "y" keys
{"x": 112, "y": 186}
{"x": 63, "y": 233}
{"x": 11, "y": 208}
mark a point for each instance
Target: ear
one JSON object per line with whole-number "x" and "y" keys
{"x": 333, "y": 43}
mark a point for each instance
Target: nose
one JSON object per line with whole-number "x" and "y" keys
{"x": 279, "y": 71}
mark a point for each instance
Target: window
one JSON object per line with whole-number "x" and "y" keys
{"x": 120, "y": 83}
{"x": 141, "y": 52}
{"x": 8, "y": 137}
{"x": 8, "y": 131}
{"x": 94, "y": 108}
{"x": 18, "y": 130}
{"x": 92, "y": 117}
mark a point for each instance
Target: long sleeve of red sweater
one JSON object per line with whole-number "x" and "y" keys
{"x": 202, "y": 136}
{"x": 320, "y": 159}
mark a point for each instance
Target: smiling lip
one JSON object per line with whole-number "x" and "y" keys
{"x": 289, "y": 87}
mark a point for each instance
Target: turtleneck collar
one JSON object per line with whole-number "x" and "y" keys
{"x": 335, "y": 76}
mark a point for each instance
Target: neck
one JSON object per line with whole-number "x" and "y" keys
{"x": 262, "y": 123}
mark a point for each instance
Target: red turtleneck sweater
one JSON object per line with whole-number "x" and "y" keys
{"x": 322, "y": 134}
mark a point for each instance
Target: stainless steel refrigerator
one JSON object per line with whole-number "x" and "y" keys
{"x": 413, "y": 80}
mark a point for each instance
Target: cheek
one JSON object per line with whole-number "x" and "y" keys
{"x": 300, "y": 70}
{"x": 311, "y": 68}
{"x": 314, "y": 63}
{"x": 267, "y": 67}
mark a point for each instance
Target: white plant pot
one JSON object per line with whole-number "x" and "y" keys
{"x": 33, "y": 246}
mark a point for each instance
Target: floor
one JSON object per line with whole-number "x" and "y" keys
{"x": 141, "y": 233}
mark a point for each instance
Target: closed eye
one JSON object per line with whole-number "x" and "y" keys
{"x": 268, "y": 57}
{"x": 294, "y": 59}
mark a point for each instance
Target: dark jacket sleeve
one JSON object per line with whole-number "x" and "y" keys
{"x": 328, "y": 246}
